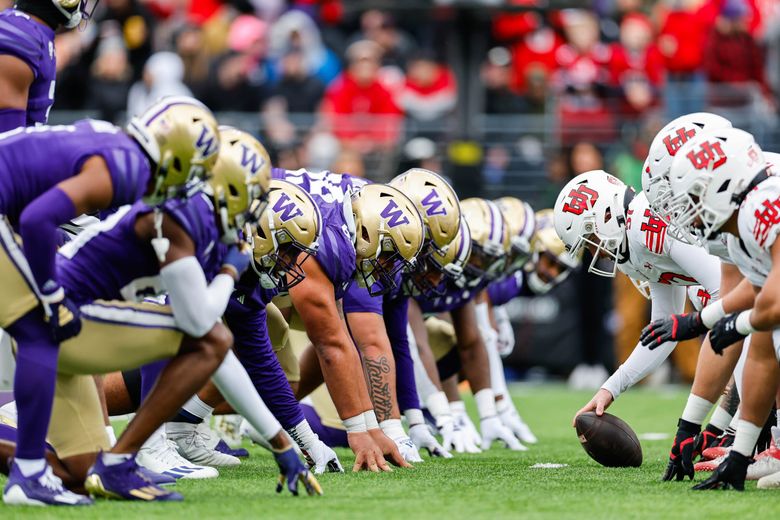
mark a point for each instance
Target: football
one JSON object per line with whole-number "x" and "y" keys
{"x": 609, "y": 440}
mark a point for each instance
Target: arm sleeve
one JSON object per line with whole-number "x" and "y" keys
{"x": 425, "y": 387}
{"x": 396, "y": 321}
{"x": 667, "y": 300}
{"x": 698, "y": 263}
{"x": 197, "y": 307}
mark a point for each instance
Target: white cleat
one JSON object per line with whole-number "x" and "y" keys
{"x": 159, "y": 454}
{"x": 769, "y": 482}
{"x": 8, "y": 413}
{"x": 196, "y": 444}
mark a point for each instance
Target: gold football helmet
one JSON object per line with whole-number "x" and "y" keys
{"x": 241, "y": 175}
{"x": 550, "y": 263}
{"x": 520, "y": 220}
{"x": 389, "y": 235}
{"x": 180, "y": 136}
{"x": 286, "y": 234}
{"x": 74, "y": 11}
{"x": 489, "y": 236}
{"x": 455, "y": 259}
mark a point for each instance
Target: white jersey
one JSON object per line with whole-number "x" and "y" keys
{"x": 670, "y": 267}
{"x": 759, "y": 224}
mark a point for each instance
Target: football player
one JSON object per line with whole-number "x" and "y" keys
{"x": 86, "y": 167}
{"x": 596, "y": 211}
{"x": 721, "y": 187}
{"x": 369, "y": 232}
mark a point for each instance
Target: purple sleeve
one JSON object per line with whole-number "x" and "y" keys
{"x": 504, "y": 290}
{"x": 357, "y": 299}
{"x": 396, "y": 319}
{"x": 11, "y": 118}
{"x": 38, "y": 227}
{"x": 254, "y": 350}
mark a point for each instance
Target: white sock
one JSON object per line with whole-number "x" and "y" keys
{"x": 111, "y": 435}
{"x": 30, "y": 467}
{"x": 734, "y": 421}
{"x": 232, "y": 380}
{"x": 696, "y": 409}
{"x": 746, "y": 438}
{"x": 197, "y": 407}
{"x": 720, "y": 418}
{"x": 112, "y": 459}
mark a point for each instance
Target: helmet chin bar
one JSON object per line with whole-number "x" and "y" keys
{"x": 416, "y": 283}
{"x": 691, "y": 221}
{"x": 604, "y": 248}
{"x": 377, "y": 279}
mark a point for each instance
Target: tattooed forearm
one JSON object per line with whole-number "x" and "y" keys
{"x": 377, "y": 372}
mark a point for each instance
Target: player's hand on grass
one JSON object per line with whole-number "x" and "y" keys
{"x": 599, "y": 403}
{"x": 389, "y": 449}
{"x": 292, "y": 472}
{"x": 730, "y": 474}
{"x": 677, "y": 327}
{"x": 322, "y": 459}
{"x": 682, "y": 453}
{"x": 512, "y": 420}
{"x": 468, "y": 432}
{"x": 421, "y": 436}
{"x": 367, "y": 454}
{"x": 494, "y": 430}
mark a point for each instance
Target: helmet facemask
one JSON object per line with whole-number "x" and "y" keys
{"x": 425, "y": 278}
{"x": 281, "y": 268}
{"x": 600, "y": 247}
{"x": 377, "y": 274}
{"x": 485, "y": 263}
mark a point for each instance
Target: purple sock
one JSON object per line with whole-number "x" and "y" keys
{"x": 11, "y": 118}
{"x": 149, "y": 375}
{"x": 36, "y": 375}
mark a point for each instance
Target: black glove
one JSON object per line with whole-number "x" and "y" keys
{"x": 708, "y": 437}
{"x": 724, "y": 333}
{"x": 730, "y": 474}
{"x": 682, "y": 454}
{"x": 676, "y": 327}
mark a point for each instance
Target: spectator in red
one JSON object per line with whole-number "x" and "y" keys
{"x": 430, "y": 91}
{"x": 636, "y": 65}
{"x": 536, "y": 50}
{"x": 733, "y": 60}
{"x": 680, "y": 41}
{"x": 359, "y": 109}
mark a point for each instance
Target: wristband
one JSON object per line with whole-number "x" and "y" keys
{"x": 393, "y": 429}
{"x": 370, "y": 418}
{"x": 486, "y": 403}
{"x": 712, "y": 313}
{"x": 744, "y": 326}
{"x": 438, "y": 404}
{"x": 356, "y": 424}
{"x": 414, "y": 416}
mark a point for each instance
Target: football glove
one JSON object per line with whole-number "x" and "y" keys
{"x": 393, "y": 429}
{"x": 469, "y": 433}
{"x": 237, "y": 259}
{"x": 677, "y": 327}
{"x": 506, "y": 333}
{"x": 422, "y": 438}
{"x": 321, "y": 458}
{"x": 292, "y": 471}
{"x": 682, "y": 453}
{"x": 724, "y": 333}
{"x": 729, "y": 475}
{"x": 708, "y": 437}
{"x": 512, "y": 420}
{"x": 62, "y": 315}
{"x": 494, "y": 430}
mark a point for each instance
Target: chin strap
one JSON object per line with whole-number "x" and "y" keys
{"x": 737, "y": 198}
{"x": 160, "y": 244}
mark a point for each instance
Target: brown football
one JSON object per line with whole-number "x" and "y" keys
{"x": 609, "y": 440}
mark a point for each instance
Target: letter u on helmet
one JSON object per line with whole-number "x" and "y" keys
{"x": 181, "y": 137}
{"x": 489, "y": 237}
{"x": 590, "y": 212}
{"x": 389, "y": 235}
{"x": 709, "y": 178}
{"x": 240, "y": 181}
{"x": 287, "y": 233}
{"x": 665, "y": 145}
{"x": 521, "y": 221}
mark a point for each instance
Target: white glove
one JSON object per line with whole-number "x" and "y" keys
{"x": 318, "y": 455}
{"x": 512, "y": 420}
{"x": 466, "y": 428}
{"x": 506, "y": 333}
{"x": 393, "y": 429}
{"x": 493, "y": 430}
{"x": 422, "y": 438}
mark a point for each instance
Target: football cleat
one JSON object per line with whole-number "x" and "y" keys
{"x": 156, "y": 478}
{"x": 159, "y": 455}
{"x": 196, "y": 443}
{"x": 228, "y": 427}
{"x": 709, "y": 465}
{"x": 707, "y": 438}
{"x": 768, "y": 461}
{"x": 729, "y": 475}
{"x": 715, "y": 452}
{"x": 123, "y": 481}
{"x": 41, "y": 489}
{"x": 223, "y": 447}
{"x": 769, "y": 482}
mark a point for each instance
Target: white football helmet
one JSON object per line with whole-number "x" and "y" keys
{"x": 709, "y": 178}
{"x": 590, "y": 213}
{"x": 655, "y": 171}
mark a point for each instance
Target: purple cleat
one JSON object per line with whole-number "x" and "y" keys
{"x": 223, "y": 447}
{"x": 124, "y": 481}
{"x": 156, "y": 478}
{"x": 43, "y": 488}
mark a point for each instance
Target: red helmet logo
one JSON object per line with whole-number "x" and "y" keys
{"x": 580, "y": 199}
{"x": 710, "y": 155}
{"x": 674, "y": 142}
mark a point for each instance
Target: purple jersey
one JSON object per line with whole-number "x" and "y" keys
{"x": 35, "y": 159}
{"x": 109, "y": 261}
{"x": 331, "y": 192}
{"x": 33, "y": 43}
{"x": 505, "y": 289}
{"x": 454, "y": 297}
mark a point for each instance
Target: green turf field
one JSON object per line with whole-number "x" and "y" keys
{"x": 498, "y": 484}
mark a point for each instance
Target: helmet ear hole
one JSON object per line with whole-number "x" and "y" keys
{"x": 607, "y": 215}
{"x": 364, "y": 233}
{"x": 724, "y": 186}
{"x": 233, "y": 191}
{"x": 176, "y": 164}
